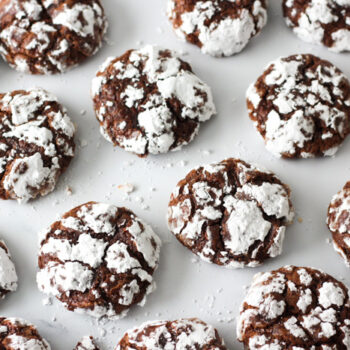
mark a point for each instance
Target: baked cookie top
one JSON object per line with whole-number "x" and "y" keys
{"x": 325, "y": 22}
{"x": 301, "y": 107}
{"x": 150, "y": 101}
{"x": 295, "y": 308}
{"x": 218, "y": 27}
{"x": 98, "y": 259}
{"x": 8, "y": 275}
{"x": 50, "y": 36}
{"x": 180, "y": 334}
{"x": 18, "y": 334}
{"x": 86, "y": 343}
{"x": 231, "y": 213}
{"x": 36, "y": 143}
{"x": 338, "y": 221}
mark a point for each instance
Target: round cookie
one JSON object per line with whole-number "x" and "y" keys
{"x": 338, "y": 221}
{"x": 36, "y": 143}
{"x": 150, "y": 101}
{"x": 218, "y": 27}
{"x": 18, "y": 334}
{"x": 86, "y": 343}
{"x": 98, "y": 259}
{"x": 295, "y": 308}
{"x": 231, "y": 213}
{"x": 189, "y": 333}
{"x": 301, "y": 107}
{"x": 325, "y": 22}
{"x": 50, "y": 36}
{"x": 8, "y": 275}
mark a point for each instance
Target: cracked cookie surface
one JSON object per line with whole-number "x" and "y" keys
{"x": 50, "y": 36}
{"x": 231, "y": 213}
{"x": 295, "y": 308}
{"x": 218, "y": 27}
{"x": 99, "y": 260}
{"x": 8, "y": 274}
{"x": 301, "y": 107}
{"x": 36, "y": 143}
{"x": 189, "y": 333}
{"x": 150, "y": 101}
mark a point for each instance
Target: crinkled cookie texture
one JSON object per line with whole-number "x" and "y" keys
{"x": 218, "y": 27}
{"x": 150, "y": 101}
{"x": 295, "y": 308}
{"x": 86, "y": 343}
{"x": 18, "y": 334}
{"x": 338, "y": 221}
{"x": 231, "y": 213}
{"x": 36, "y": 143}
{"x": 50, "y": 36}
{"x": 8, "y": 275}
{"x": 325, "y": 22}
{"x": 301, "y": 107}
{"x": 167, "y": 335}
{"x": 98, "y": 259}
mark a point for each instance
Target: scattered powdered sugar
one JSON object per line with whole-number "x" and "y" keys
{"x": 320, "y": 19}
{"x": 48, "y": 131}
{"x": 75, "y": 264}
{"x": 156, "y": 123}
{"x": 223, "y": 37}
{"x": 272, "y": 303}
{"x": 8, "y": 275}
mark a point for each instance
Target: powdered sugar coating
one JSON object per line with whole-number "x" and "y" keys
{"x": 219, "y": 27}
{"x": 86, "y": 343}
{"x": 99, "y": 260}
{"x": 45, "y": 37}
{"x": 8, "y": 275}
{"x": 150, "y": 101}
{"x": 18, "y": 334}
{"x": 324, "y": 22}
{"x": 180, "y": 334}
{"x": 338, "y": 221}
{"x": 296, "y": 308}
{"x": 231, "y": 213}
{"x": 36, "y": 144}
{"x": 301, "y": 107}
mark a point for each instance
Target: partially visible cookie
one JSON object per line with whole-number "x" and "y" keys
{"x": 295, "y": 308}
{"x": 99, "y": 260}
{"x": 50, "y": 36}
{"x": 86, "y": 343}
{"x": 338, "y": 221}
{"x": 218, "y": 27}
{"x": 8, "y": 275}
{"x": 180, "y": 334}
{"x": 18, "y": 334}
{"x": 36, "y": 143}
{"x": 325, "y": 22}
{"x": 301, "y": 107}
{"x": 150, "y": 101}
{"x": 231, "y": 213}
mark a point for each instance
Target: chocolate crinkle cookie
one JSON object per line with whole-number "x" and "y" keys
{"x": 296, "y": 308}
{"x": 50, "y": 36}
{"x": 301, "y": 107}
{"x": 150, "y": 101}
{"x": 231, "y": 213}
{"x": 181, "y": 334}
{"x": 218, "y": 27}
{"x": 325, "y": 22}
{"x": 18, "y": 334}
{"x": 8, "y": 275}
{"x": 86, "y": 343}
{"x": 98, "y": 259}
{"x": 36, "y": 143}
{"x": 338, "y": 221}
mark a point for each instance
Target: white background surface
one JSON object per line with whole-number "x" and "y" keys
{"x": 185, "y": 288}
